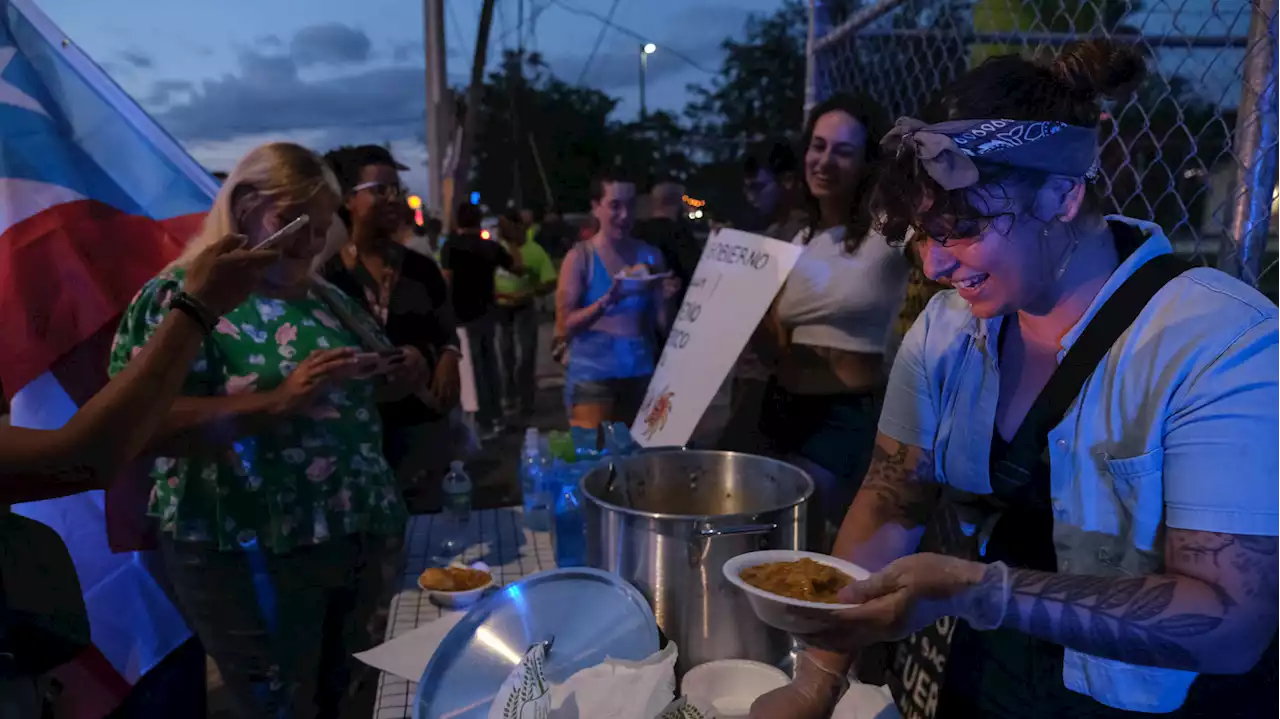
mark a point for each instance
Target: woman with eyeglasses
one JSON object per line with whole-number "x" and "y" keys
{"x": 1093, "y": 418}
{"x": 405, "y": 292}
{"x": 831, "y": 323}
{"x": 279, "y": 515}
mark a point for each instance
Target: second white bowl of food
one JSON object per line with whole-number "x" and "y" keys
{"x": 800, "y": 574}
{"x": 638, "y": 278}
{"x": 731, "y": 685}
{"x": 457, "y": 585}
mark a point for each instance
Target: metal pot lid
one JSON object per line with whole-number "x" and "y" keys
{"x": 587, "y": 615}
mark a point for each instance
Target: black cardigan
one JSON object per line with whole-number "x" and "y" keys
{"x": 419, "y": 316}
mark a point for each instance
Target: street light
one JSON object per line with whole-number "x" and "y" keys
{"x": 645, "y": 51}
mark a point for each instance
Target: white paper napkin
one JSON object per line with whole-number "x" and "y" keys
{"x": 407, "y": 655}
{"x": 618, "y": 689}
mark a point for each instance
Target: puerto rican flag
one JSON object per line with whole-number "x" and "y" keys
{"x": 95, "y": 198}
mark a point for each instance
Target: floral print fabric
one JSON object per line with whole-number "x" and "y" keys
{"x": 316, "y": 475}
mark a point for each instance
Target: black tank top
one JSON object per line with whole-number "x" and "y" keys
{"x": 1006, "y": 674}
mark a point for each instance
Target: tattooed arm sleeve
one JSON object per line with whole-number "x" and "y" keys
{"x": 1214, "y": 611}
{"x": 895, "y": 500}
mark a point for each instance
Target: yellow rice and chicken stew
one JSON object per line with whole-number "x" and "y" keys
{"x": 802, "y": 579}
{"x": 453, "y": 579}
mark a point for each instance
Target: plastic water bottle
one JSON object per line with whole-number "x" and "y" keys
{"x": 534, "y": 465}
{"x": 455, "y": 515}
{"x": 570, "y": 536}
{"x": 618, "y": 441}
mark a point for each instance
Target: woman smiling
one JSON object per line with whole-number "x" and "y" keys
{"x": 276, "y": 506}
{"x": 1095, "y": 416}
{"x": 832, "y": 321}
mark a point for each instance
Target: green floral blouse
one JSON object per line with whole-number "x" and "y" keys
{"x": 316, "y": 475}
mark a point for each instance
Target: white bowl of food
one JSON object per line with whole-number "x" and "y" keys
{"x": 792, "y": 590}
{"x": 456, "y": 585}
{"x": 639, "y": 278}
{"x": 730, "y": 686}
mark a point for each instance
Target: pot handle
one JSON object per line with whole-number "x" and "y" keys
{"x": 710, "y": 531}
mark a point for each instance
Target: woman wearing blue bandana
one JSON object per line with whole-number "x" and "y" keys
{"x": 1082, "y": 430}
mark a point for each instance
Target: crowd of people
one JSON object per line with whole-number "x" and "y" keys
{"x": 1108, "y": 536}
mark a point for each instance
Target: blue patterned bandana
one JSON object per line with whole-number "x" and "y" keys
{"x": 948, "y": 150}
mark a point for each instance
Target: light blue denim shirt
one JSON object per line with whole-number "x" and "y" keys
{"x": 1177, "y": 427}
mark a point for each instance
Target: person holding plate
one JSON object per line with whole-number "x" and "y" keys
{"x": 609, "y": 314}
{"x": 1088, "y": 422}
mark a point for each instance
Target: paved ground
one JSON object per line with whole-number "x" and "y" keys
{"x": 494, "y": 470}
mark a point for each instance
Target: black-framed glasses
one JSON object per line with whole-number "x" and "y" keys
{"x": 957, "y": 229}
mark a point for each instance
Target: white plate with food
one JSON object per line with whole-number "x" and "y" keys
{"x": 792, "y": 590}
{"x": 457, "y": 585}
{"x": 638, "y": 278}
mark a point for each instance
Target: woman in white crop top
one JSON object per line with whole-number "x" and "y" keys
{"x": 832, "y": 321}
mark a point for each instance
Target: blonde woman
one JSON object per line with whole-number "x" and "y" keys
{"x": 279, "y": 516}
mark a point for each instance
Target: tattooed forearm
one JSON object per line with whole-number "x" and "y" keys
{"x": 900, "y": 481}
{"x": 1181, "y": 621}
{"x": 1252, "y": 560}
{"x": 1132, "y": 619}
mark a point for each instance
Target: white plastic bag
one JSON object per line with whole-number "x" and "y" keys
{"x": 525, "y": 694}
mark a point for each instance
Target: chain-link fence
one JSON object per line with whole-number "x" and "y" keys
{"x": 1194, "y": 149}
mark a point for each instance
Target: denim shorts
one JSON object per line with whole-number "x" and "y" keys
{"x": 624, "y": 394}
{"x": 836, "y": 432}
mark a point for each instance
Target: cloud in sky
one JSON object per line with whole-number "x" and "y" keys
{"x": 329, "y": 44}
{"x": 165, "y": 92}
{"x": 268, "y": 95}
{"x": 137, "y": 59}
{"x": 340, "y": 72}
{"x": 277, "y": 90}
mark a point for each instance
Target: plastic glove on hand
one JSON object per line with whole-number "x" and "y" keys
{"x": 813, "y": 694}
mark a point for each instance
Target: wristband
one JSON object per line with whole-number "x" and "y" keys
{"x": 192, "y": 307}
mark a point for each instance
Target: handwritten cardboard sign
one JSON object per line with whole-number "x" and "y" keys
{"x": 735, "y": 281}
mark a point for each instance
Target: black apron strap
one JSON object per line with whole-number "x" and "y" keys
{"x": 1115, "y": 316}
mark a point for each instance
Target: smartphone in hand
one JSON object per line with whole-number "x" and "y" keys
{"x": 376, "y": 364}
{"x": 283, "y": 232}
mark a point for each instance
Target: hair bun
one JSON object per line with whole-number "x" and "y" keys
{"x": 1100, "y": 68}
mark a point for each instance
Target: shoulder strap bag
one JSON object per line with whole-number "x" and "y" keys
{"x": 915, "y": 667}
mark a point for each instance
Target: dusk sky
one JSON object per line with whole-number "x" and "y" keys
{"x": 224, "y": 76}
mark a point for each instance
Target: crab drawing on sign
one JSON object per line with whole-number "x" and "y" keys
{"x": 655, "y": 419}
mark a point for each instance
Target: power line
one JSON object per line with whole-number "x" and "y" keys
{"x": 627, "y": 31}
{"x": 534, "y": 13}
{"x": 457, "y": 29}
{"x": 502, "y": 20}
{"x": 604, "y": 28}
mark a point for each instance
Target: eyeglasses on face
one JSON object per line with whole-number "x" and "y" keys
{"x": 953, "y": 230}
{"x": 381, "y": 190}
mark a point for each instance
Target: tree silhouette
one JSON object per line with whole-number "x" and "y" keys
{"x": 568, "y": 123}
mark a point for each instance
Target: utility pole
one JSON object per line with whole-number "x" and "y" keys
{"x": 462, "y": 170}
{"x": 439, "y": 118}
{"x": 517, "y": 89}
